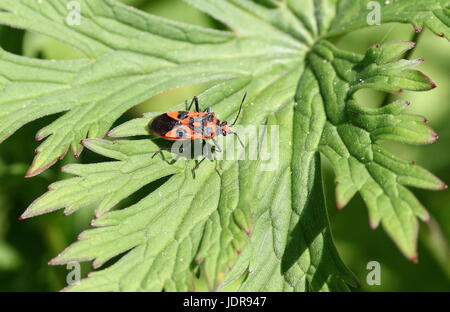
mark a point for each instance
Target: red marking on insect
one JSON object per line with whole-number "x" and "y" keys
{"x": 192, "y": 125}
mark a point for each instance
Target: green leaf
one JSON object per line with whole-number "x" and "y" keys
{"x": 107, "y": 183}
{"x": 92, "y": 92}
{"x": 350, "y": 135}
{"x": 234, "y": 218}
{"x": 433, "y": 14}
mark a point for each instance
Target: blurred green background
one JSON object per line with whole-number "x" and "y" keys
{"x": 26, "y": 246}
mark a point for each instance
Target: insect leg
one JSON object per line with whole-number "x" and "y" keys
{"x": 197, "y": 108}
{"x": 181, "y": 149}
{"x": 207, "y": 110}
{"x": 160, "y": 150}
{"x": 239, "y": 139}
{"x": 194, "y": 101}
{"x": 198, "y": 163}
{"x": 196, "y": 166}
{"x": 216, "y": 144}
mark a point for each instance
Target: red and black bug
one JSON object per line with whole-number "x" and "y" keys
{"x": 197, "y": 125}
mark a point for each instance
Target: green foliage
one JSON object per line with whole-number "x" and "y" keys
{"x": 233, "y": 217}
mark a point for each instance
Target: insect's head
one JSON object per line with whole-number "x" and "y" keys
{"x": 224, "y": 128}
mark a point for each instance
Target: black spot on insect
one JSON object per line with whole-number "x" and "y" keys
{"x": 163, "y": 124}
{"x": 181, "y": 133}
{"x": 182, "y": 115}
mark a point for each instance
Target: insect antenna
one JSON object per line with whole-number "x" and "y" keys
{"x": 239, "y": 139}
{"x": 239, "y": 112}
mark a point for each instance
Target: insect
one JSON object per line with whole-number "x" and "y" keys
{"x": 196, "y": 125}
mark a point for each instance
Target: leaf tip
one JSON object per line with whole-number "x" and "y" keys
{"x": 373, "y": 225}
{"x": 95, "y": 265}
{"x": 426, "y": 218}
{"x": 417, "y": 29}
{"x": 54, "y": 261}
{"x": 434, "y": 138}
{"x": 414, "y": 258}
{"x": 77, "y": 153}
{"x": 31, "y": 173}
{"x": 432, "y": 84}
{"x": 39, "y": 138}
{"x": 340, "y": 205}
